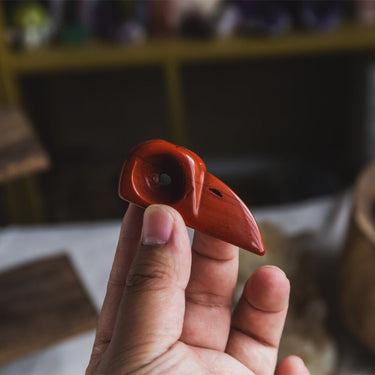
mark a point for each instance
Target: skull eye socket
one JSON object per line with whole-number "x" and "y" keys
{"x": 163, "y": 179}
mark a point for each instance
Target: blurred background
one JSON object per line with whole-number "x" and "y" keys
{"x": 277, "y": 97}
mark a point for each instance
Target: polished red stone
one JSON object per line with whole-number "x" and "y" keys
{"x": 157, "y": 171}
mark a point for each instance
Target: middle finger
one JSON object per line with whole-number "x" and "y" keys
{"x": 209, "y": 293}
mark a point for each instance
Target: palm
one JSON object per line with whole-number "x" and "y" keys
{"x": 208, "y": 361}
{"x": 168, "y": 309}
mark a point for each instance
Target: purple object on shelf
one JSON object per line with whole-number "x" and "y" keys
{"x": 318, "y": 15}
{"x": 107, "y": 19}
{"x": 123, "y": 22}
{"x": 130, "y": 32}
{"x": 264, "y": 17}
{"x": 322, "y": 15}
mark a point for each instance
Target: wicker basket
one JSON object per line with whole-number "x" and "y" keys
{"x": 357, "y": 268}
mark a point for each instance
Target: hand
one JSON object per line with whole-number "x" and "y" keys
{"x": 168, "y": 306}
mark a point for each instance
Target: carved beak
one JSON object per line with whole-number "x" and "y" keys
{"x": 158, "y": 172}
{"x": 227, "y": 217}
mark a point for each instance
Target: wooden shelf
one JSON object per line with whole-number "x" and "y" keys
{"x": 169, "y": 54}
{"x": 349, "y": 38}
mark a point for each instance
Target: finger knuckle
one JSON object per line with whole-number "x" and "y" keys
{"x": 150, "y": 274}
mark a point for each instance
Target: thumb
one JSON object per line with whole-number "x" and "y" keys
{"x": 151, "y": 313}
{"x": 292, "y": 365}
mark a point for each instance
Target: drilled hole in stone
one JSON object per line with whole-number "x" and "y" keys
{"x": 217, "y": 192}
{"x": 165, "y": 179}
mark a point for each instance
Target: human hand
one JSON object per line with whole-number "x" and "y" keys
{"x": 168, "y": 306}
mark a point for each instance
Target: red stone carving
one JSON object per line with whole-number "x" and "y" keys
{"x": 158, "y": 172}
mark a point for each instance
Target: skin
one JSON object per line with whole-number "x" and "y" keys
{"x": 168, "y": 307}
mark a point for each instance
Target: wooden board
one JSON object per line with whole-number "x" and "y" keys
{"x": 41, "y": 303}
{"x": 20, "y": 150}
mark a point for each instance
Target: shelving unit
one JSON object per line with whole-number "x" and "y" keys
{"x": 169, "y": 54}
{"x": 96, "y": 55}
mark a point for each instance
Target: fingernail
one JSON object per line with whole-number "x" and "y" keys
{"x": 157, "y": 226}
{"x": 298, "y": 361}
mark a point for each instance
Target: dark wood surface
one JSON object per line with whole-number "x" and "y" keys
{"x": 41, "y": 303}
{"x": 20, "y": 150}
